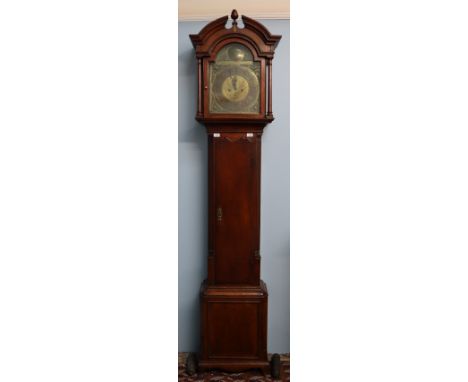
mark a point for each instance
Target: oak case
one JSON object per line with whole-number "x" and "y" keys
{"x": 233, "y": 298}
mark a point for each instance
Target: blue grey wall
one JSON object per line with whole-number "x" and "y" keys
{"x": 193, "y": 223}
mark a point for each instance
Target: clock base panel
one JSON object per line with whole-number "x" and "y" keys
{"x": 234, "y": 327}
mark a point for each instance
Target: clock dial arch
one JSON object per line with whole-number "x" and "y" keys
{"x": 234, "y": 81}
{"x": 234, "y": 78}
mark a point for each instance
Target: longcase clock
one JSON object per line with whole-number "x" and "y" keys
{"x": 235, "y": 104}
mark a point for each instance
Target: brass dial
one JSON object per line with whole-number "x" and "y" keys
{"x": 234, "y": 79}
{"x": 235, "y": 88}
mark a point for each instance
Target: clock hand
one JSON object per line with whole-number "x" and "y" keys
{"x": 233, "y": 80}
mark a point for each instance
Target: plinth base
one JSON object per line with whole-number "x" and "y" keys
{"x": 234, "y": 327}
{"x": 233, "y": 367}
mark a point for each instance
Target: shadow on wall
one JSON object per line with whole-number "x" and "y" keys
{"x": 193, "y": 201}
{"x": 188, "y": 97}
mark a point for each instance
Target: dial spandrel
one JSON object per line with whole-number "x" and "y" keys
{"x": 234, "y": 81}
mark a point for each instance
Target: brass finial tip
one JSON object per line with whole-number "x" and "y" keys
{"x": 234, "y": 14}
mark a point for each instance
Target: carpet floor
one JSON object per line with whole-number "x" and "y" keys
{"x": 220, "y": 376}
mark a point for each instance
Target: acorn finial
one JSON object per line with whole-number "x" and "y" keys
{"x": 234, "y": 15}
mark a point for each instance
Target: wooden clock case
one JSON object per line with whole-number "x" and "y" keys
{"x": 233, "y": 298}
